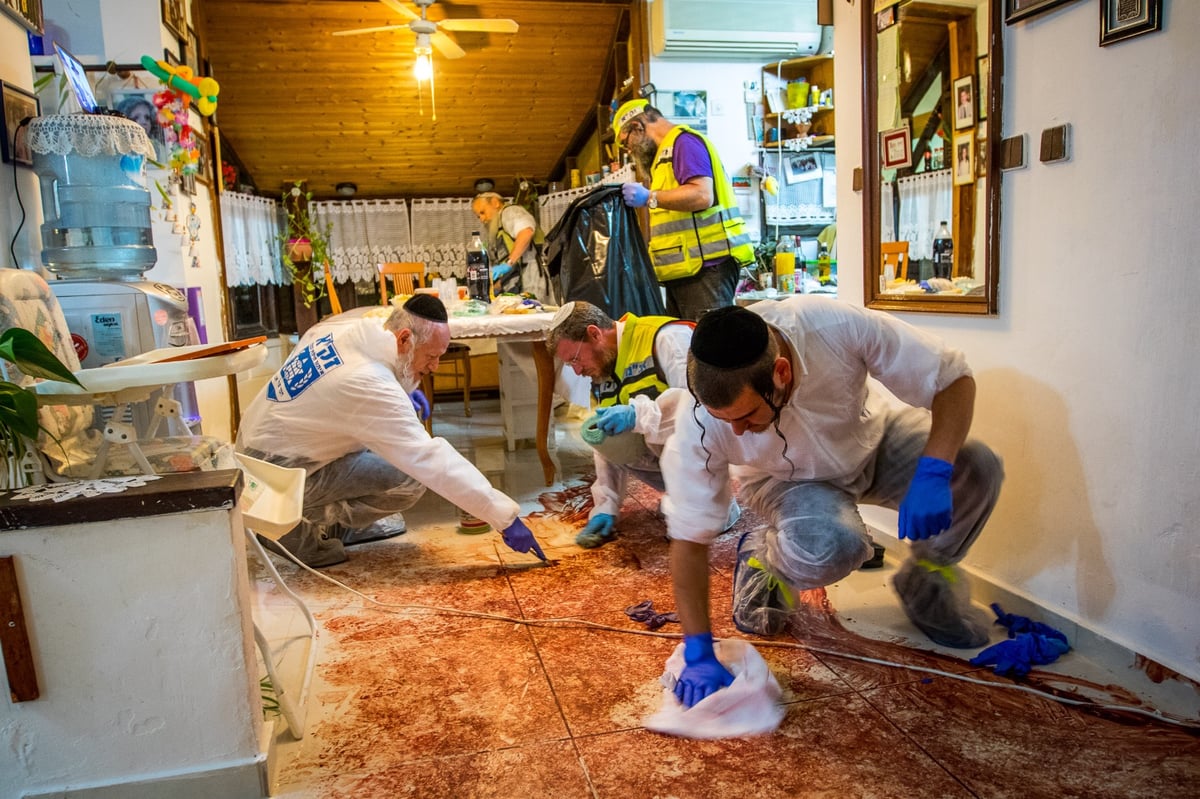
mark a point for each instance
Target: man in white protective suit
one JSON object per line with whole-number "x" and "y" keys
{"x": 345, "y": 407}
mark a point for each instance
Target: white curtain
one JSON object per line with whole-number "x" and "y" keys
{"x": 441, "y": 230}
{"x": 925, "y": 201}
{"x": 364, "y": 234}
{"x": 250, "y": 225}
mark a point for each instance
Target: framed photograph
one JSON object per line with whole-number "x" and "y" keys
{"x": 204, "y": 161}
{"x": 187, "y": 184}
{"x": 174, "y": 15}
{"x": 964, "y": 103}
{"x": 895, "y": 148}
{"x": 798, "y": 167}
{"x": 1020, "y": 9}
{"x": 964, "y": 158}
{"x": 26, "y": 12}
{"x": 981, "y": 156}
{"x": 14, "y": 139}
{"x": 191, "y": 51}
{"x": 981, "y": 73}
{"x": 138, "y": 105}
{"x": 1124, "y": 19}
{"x": 170, "y": 58}
{"x": 885, "y": 19}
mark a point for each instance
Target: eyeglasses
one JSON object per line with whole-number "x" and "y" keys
{"x": 627, "y": 131}
{"x": 575, "y": 359}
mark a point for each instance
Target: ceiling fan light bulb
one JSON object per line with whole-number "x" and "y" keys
{"x": 423, "y": 69}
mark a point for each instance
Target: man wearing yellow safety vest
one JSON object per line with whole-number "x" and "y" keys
{"x": 638, "y": 369}
{"x": 698, "y": 240}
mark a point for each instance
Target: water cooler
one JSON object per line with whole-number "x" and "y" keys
{"x": 97, "y": 240}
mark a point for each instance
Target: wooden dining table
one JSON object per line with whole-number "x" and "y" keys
{"x": 522, "y": 328}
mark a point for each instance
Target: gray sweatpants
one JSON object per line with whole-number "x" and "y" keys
{"x": 354, "y": 490}
{"x": 815, "y": 535}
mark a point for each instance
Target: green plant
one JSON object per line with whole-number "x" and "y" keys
{"x": 18, "y": 405}
{"x": 303, "y": 244}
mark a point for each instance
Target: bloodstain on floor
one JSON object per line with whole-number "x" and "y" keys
{"x": 413, "y": 703}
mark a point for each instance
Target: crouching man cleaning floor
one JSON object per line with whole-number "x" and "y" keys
{"x": 782, "y": 393}
{"x": 345, "y": 407}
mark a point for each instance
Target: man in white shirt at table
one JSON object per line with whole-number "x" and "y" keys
{"x": 345, "y": 407}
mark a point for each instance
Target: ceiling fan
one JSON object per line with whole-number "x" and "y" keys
{"x": 433, "y": 33}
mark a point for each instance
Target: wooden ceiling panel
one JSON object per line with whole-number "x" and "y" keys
{"x": 299, "y": 103}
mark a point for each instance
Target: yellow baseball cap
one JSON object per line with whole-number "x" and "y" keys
{"x": 629, "y": 110}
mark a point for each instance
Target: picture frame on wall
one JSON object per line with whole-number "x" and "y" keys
{"x": 981, "y": 156}
{"x": 1124, "y": 19}
{"x": 27, "y": 12}
{"x": 191, "y": 51}
{"x": 1015, "y": 10}
{"x": 964, "y": 103}
{"x": 138, "y": 105}
{"x": 14, "y": 139}
{"x": 169, "y": 57}
{"x": 174, "y": 15}
{"x": 964, "y": 158}
{"x": 895, "y": 148}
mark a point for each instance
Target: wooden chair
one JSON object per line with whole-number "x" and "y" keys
{"x": 335, "y": 303}
{"x": 406, "y": 277}
{"x": 894, "y": 254}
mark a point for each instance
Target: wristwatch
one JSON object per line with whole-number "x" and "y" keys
{"x": 653, "y": 202}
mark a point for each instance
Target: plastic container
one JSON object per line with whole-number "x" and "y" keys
{"x": 96, "y": 206}
{"x": 273, "y": 497}
{"x": 785, "y": 264}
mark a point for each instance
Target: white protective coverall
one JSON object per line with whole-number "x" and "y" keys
{"x": 655, "y": 421}
{"x": 340, "y": 393}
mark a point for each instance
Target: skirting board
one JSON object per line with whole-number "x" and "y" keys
{"x": 1092, "y": 651}
{"x": 242, "y": 781}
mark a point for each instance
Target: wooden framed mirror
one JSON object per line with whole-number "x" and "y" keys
{"x": 931, "y": 137}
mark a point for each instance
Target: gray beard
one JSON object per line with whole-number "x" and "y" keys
{"x": 643, "y": 155}
{"x": 407, "y": 376}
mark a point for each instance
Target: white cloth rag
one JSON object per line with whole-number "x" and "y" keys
{"x": 748, "y": 706}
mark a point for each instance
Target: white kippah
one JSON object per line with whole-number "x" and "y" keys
{"x": 561, "y": 315}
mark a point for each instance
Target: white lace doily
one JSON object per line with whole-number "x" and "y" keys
{"x": 89, "y": 135}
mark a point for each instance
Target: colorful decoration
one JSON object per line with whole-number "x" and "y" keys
{"x": 173, "y": 102}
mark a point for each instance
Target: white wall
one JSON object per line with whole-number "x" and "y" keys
{"x": 122, "y": 31}
{"x": 1088, "y": 386}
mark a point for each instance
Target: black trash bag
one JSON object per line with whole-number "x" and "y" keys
{"x": 597, "y": 253}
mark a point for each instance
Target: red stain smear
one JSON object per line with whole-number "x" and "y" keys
{"x": 570, "y": 505}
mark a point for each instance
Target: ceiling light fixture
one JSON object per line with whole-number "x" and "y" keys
{"x": 346, "y": 189}
{"x": 423, "y": 70}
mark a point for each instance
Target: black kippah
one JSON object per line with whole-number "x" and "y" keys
{"x": 426, "y": 306}
{"x": 729, "y": 338}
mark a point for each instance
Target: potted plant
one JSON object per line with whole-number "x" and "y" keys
{"x": 18, "y": 405}
{"x": 302, "y": 244}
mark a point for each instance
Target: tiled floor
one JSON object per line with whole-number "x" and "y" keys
{"x": 439, "y": 692}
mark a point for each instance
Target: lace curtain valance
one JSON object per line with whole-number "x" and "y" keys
{"x": 250, "y": 225}
{"x": 364, "y": 234}
{"x": 925, "y": 200}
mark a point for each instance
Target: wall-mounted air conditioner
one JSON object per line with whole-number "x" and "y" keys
{"x": 734, "y": 28}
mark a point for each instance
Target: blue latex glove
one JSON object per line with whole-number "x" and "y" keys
{"x": 636, "y": 195}
{"x": 520, "y": 539}
{"x": 420, "y": 404}
{"x": 927, "y": 507}
{"x": 501, "y": 270}
{"x": 1017, "y": 656}
{"x": 598, "y": 531}
{"x": 703, "y": 674}
{"x": 615, "y": 419}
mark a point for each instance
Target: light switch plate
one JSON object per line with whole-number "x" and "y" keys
{"x": 1056, "y": 144}
{"x": 1012, "y": 152}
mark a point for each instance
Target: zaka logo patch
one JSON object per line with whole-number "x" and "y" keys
{"x": 304, "y": 369}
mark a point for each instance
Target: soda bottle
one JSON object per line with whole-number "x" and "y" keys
{"x": 479, "y": 274}
{"x": 785, "y": 264}
{"x": 943, "y": 252}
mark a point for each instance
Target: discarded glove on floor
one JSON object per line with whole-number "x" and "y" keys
{"x": 1030, "y": 643}
{"x": 748, "y": 706}
{"x": 644, "y": 612}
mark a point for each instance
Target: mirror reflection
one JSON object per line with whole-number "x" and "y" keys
{"x": 931, "y": 200}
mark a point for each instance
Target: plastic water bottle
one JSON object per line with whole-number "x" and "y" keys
{"x": 943, "y": 252}
{"x": 479, "y": 275}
